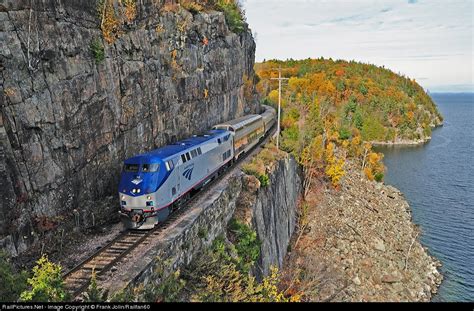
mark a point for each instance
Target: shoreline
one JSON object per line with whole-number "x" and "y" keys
{"x": 406, "y": 142}
{"x": 362, "y": 244}
{"x": 401, "y": 143}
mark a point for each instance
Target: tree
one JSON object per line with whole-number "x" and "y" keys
{"x": 335, "y": 166}
{"x": 375, "y": 168}
{"x": 373, "y": 129}
{"x": 46, "y": 283}
{"x": 11, "y": 283}
{"x": 312, "y": 161}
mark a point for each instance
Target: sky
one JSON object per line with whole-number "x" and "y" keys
{"x": 428, "y": 40}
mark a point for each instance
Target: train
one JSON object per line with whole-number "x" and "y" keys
{"x": 156, "y": 183}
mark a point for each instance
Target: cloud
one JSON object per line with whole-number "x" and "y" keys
{"x": 434, "y": 41}
{"x": 412, "y": 1}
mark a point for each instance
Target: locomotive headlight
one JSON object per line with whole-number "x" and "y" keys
{"x": 123, "y": 198}
{"x": 138, "y": 190}
{"x": 134, "y": 190}
{"x": 148, "y": 197}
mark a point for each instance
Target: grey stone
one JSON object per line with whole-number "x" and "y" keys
{"x": 379, "y": 245}
{"x": 68, "y": 121}
{"x": 356, "y": 281}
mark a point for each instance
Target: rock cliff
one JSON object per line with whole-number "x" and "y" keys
{"x": 70, "y": 115}
{"x": 272, "y": 211}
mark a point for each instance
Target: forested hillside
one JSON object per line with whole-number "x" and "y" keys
{"x": 382, "y": 105}
{"x": 330, "y": 104}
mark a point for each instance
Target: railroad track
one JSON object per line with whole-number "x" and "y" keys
{"x": 78, "y": 279}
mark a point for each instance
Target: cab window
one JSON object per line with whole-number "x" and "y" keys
{"x": 169, "y": 165}
{"x": 150, "y": 168}
{"x": 131, "y": 168}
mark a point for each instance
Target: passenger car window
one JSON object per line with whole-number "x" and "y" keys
{"x": 188, "y": 157}
{"x": 150, "y": 168}
{"x": 183, "y": 157}
{"x": 199, "y": 150}
{"x": 194, "y": 153}
{"x": 131, "y": 168}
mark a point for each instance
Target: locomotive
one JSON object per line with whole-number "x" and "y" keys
{"x": 154, "y": 184}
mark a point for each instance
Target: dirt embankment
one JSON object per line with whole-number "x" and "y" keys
{"x": 359, "y": 244}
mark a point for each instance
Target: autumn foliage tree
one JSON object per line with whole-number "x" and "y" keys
{"x": 335, "y": 166}
{"x": 46, "y": 283}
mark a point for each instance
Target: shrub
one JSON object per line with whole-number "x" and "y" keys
{"x": 378, "y": 176}
{"x": 247, "y": 245}
{"x": 264, "y": 180}
{"x": 358, "y": 120}
{"x": 335, "y": 167}
{"x": 234, "y": 15}
{"x": 46, "y": 283}
{"x": 191, "y": 6}
{"x": 94, "y": 293}
{"x": 375, "y": 168}
{"x": 202, "y": 232}
{"x": 11, "y": 283}
{"x": 344, "y": 133}
{"x": 217, "y": 274}
{"x": 97, "y": 50}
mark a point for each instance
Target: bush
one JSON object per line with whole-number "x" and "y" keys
{"x": 217, "y": 274}
{"x": 46, "y": 284}
{"x": 264, "y": 180}
{"x": 247, "y": 245}
{"x": 94, "y": 293}
{"x": 191, "y": 6}
{"x": 234, "y": 16}
{"x": 11, "y": 283}
{"x": 344, "y": 133}
{"x": 97, "y": 50}
{"x": 358, "y": 120}
{"x": 378, "y": 177}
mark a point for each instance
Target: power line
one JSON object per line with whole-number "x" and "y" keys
{"x": 279, "y": 102}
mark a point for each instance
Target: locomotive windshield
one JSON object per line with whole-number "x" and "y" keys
{"x": 131, "y": 168}
{"x": 150, "y": 168}
{"x": 146, "y": 168}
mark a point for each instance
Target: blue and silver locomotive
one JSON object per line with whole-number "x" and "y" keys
{"x": 155, "y": 183}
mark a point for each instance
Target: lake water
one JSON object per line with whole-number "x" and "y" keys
{"x": 438, "y": 182}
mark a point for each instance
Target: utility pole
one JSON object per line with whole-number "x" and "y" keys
{"x": 279, "y": 102}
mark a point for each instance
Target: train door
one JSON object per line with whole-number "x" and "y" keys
{"x": 176, "y": 182}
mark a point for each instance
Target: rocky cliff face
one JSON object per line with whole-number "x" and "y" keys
{"x": 68, "y": 118}
{"x": 271, "y": 211}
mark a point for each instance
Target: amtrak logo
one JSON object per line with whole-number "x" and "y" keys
{"x": 137, "y": 181}
{"x": 188, "y": 173}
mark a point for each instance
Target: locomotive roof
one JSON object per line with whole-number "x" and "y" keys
{"x": 167, "y": 151}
